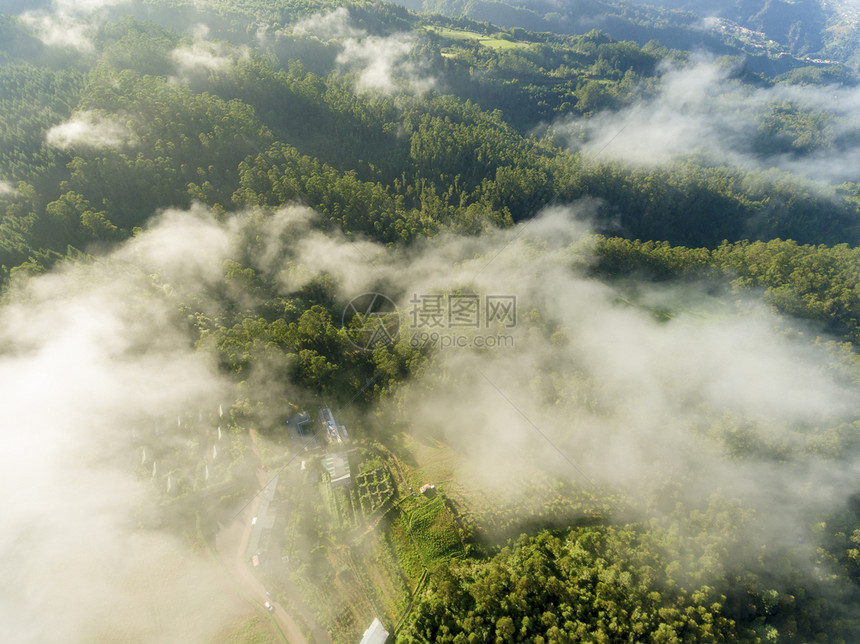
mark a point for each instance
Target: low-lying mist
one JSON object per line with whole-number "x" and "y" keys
{"x": 590, "y": 385}
{"x": 706, "y": 108}
{"x": 685, "y": 387}
{"x": 93, "y": 357}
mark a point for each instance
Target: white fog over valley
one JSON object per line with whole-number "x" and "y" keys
{"x": 339, "y": 322}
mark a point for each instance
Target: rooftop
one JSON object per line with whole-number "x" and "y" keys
{"x": 375, "y": 634}
{"x": 337, "y": 466}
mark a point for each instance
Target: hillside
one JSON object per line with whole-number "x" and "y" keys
{"x": 809, "y": 29}
{"x": 493, "y": 321}
{"x": 776, "y": 37}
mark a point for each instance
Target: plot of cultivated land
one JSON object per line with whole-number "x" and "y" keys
{"x": 358, "y": 552}
{"x": 347, "y": 570}
{"x": 253, "y": 631}
{"x": 374, "y": 485}
{"x": 493, "y": 42}
{"x": 341, "y": 504}
{"x": 375, "y": 560}
{"x": 368, "y": 585}
{"x": 350, "y": 602}
{"x": 435, "y": 531}
{"x": 433, "y": 461}
{"x": 405, "y": 548}
{"x": 348, "y": 584}
{"x": 423, "y": 531}
{"x": 494, "y": 514}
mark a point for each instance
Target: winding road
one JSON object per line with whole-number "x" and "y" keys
{"x": 232, "y": 544}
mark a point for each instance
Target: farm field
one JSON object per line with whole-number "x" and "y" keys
{"x": 362, "y": 550}
{"x": 492, "y": 42}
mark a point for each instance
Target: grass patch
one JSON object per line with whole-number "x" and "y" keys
{"x": 252, "y": 631}
{"x": 455, "y": 34}
{"x": 340, "y": 505}
{"x": 435, "y": 531}
{"x": 492, "y": 42}
{"x": 502, "y": 43}
{"x": 404, "y": 547}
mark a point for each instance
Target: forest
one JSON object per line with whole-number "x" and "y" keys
{"x": 245, "y": 167}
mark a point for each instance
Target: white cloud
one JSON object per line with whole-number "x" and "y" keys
{"x": 703, "y": 109}
{"x": 89, "y": 130}
{"x": 385, "y": 65}
{"x": 333, "y": 25}
{"x": 685, "y": 116}
{"x": 69, "y": 24}
{"x": 633, "y": 401}
{"x": 86, "y": 6}
{"x": 166, "y": 249}
{"x": 61, "y": 31}
{"x": 92, "y": 358}
{"x": 200, "y": 55}
{"x": 381, "y": 64}
{"x": 7, "y": 189}
{"x": 200, "y": 30}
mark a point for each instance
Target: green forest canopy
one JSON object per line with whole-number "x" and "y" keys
{"x": 282, "y": 122}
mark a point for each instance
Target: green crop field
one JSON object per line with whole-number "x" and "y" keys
{"x": 374, "y": 486}
{"x": 493, "y": 42}
{"x": 435, "y": 531}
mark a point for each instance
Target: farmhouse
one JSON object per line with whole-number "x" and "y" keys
{"x": 333, "y": 432}
{"x": 301, "y": 430}
{"x": 375, "y": 634}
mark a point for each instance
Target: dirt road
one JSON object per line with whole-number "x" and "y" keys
{"x": 231, "y": 543}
